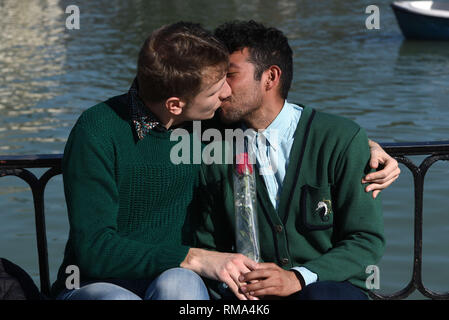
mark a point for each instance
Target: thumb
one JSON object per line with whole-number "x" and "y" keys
{"x": 374, "y": 163}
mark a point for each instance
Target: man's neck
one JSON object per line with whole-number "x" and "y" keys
{"x": 261, "y": 118}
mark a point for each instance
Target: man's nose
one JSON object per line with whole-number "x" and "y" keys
{"x": 225, "y": 91}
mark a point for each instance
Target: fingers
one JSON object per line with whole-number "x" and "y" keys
{"x": 249, "y": 263}
{"x": 374, "y": 163}
{"x": 267, "y": 265}
{"x": 376, "y": 154}
{"x": 382, "y": 175}
{"x": 255, "y": 285}
{"x": 254, "y": 275}
{"x": 263, "y": 291}
{"x": 231, "y": 279}
{"x": 264, "y": 271}
{"x": 378, "y": 187}
{"x": 244, "y": 265}
{"x": 376, "y": 175}
{"x": 381, "y": 183}
{"x": 379, "y": 156}
{"x": 390, "y": 166}
{"x": 236, "y": 285}
{"x": 269, "y": 279}
{"x": 373, "y": 144}
{"x": 382, "y": 179}
{"x": 238, "y": 265}
{"x": 234, "y": 288}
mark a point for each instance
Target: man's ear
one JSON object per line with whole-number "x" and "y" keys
{"x": 175, "y": 105}
{"x": 271, "y": 77}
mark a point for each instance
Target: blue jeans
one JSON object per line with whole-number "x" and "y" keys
{"x": 172, "y": 284}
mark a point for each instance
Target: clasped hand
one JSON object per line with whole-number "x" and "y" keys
{"x": 249, "y": 280}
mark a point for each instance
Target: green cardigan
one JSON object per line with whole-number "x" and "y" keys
{"x": 328, "y": 159}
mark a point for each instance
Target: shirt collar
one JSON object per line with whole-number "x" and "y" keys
{"x": 279, "y": 128}
{"x": 141, "y": 116}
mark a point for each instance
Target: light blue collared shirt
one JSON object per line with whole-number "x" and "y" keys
{"x": 271, "y": 148}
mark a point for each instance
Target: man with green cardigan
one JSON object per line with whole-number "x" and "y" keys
{"x": 318, "y": 228}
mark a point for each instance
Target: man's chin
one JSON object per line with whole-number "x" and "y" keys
{"x": 225, "y": 118}
{"x": 209, "y": 116}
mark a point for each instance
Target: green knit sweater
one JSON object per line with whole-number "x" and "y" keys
{"x": 126, "y": 201}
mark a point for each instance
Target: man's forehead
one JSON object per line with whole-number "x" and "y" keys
{"x": 234, "y": 65}
{"x": 238, "y": 57}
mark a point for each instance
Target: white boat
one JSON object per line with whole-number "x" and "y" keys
{"x": 423, "y": 19}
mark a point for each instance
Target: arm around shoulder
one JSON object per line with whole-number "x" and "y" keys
{"x": 358, "y": 222}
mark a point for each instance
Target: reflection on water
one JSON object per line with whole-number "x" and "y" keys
{"x": 425, "y": 49}
{"x": 32, "y": 57}
{"x": 32, "y": 53}
{"x": 396, "y": 89}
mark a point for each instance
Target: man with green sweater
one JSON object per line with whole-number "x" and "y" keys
{"x": 126, "y": 200}
{"x": 318, "y": 228}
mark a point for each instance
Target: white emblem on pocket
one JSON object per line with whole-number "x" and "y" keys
{"x": 322, "y": 204}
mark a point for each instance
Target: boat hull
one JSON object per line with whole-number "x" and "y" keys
{"x": 423, "y": 27}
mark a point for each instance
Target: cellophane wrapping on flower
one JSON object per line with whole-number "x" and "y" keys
{"x": 246, "y": 233}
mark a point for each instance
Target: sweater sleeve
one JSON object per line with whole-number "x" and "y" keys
{"x": 92, "y": 200}
{"x": 358, "y": 219}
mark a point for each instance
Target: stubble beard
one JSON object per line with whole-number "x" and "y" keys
{"x": 242, "y": 113}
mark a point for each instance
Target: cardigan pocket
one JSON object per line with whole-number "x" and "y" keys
{"x": 316, "y": 207}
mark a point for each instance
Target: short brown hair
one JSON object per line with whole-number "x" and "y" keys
{"x": 173, "y": 59}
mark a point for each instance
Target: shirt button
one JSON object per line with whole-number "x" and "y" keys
{"x": 278, "y": 228}
{"x": 284, "y": 261}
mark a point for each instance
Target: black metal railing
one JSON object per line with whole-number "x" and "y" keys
{"x": 435, "y": 151}
{"x": 17, "y": 166}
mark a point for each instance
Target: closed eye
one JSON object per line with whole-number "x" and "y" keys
{"x": 215, "y": 92}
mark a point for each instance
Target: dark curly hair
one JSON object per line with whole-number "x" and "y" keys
{"x": 267, "y": 47}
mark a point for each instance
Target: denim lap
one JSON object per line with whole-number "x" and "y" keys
{"x": 98, "y": 291}
{"x": 177, "y": 284}
{"x": 172, "y": 284}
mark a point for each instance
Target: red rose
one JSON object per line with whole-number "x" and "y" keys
{"x": 242, "y": 163}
